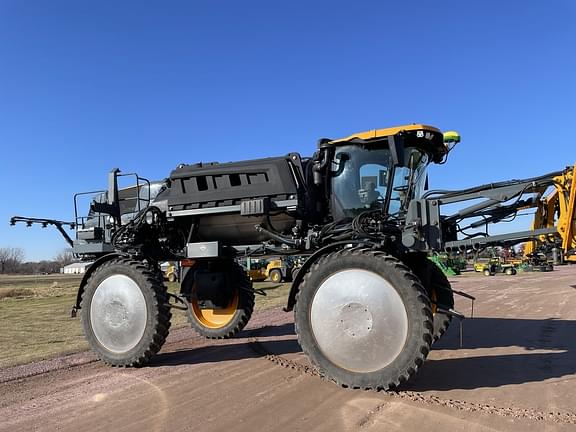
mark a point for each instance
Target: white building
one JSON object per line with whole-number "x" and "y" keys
{"x": 76, "y": 268}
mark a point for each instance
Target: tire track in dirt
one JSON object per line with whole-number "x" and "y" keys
{"x": 421, "y": 398}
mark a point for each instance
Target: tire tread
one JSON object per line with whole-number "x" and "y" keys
{"x": 425, "y": 315}
{"x": 162, "y": 315}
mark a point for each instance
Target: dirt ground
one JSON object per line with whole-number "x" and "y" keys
{"x": 515, "y": 371}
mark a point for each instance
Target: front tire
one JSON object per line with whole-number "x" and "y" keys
{"x": 125, "y": 313}
{"x": 363, "y": 319}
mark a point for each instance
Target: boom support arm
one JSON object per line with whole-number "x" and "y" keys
{"x": 558, "y": 210}
{"x": 427, "y": 229}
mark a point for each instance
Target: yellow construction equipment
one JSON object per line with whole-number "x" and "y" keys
{"x": 255, "y": 269}
{"x": 171, "y": 273}
{"x": 557, "y": 210}
{"x": 278, "y": 270}
{"x": 275, "y": 269}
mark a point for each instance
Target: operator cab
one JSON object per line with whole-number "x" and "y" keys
{"x": 383, "y": 169}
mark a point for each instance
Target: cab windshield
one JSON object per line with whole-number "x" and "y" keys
{"x": 360, "y": 177}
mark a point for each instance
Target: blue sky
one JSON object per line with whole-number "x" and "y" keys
{"x": 88, "y": 86}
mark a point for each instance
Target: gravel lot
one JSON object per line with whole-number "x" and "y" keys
{"x": 516, "y": 370}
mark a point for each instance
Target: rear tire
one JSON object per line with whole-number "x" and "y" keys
{"x": 125, "y": 313}
{"x": 224, "y": 323}
{"x": 363, "y": 319}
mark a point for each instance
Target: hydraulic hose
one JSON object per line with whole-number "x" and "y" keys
{"x": 280, "y": 238}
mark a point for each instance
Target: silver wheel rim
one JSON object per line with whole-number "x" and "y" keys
{"x": 359, "y": 320}
{"x": 118, "y": 313}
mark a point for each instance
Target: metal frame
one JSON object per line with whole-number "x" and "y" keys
{"x": 426, "y": 227}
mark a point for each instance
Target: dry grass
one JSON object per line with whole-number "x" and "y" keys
{"x": 38, "y": 286}
{"x": 276, "y": 295}
{"x": 35, "y": 318}
{"x": 16, "y": 293}
{"x": 35, "y": 321}
{"x": 38, "y": 328}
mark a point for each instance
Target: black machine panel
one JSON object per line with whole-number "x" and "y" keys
{"x": 213, "y": 184}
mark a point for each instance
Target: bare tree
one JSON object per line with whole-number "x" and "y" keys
{"x": 65, "y": 257}
{"x": 10, "y": 259}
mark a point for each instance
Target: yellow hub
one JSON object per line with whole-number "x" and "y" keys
{"x": 216, "y": 318}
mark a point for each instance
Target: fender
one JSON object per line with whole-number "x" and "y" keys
{"x": 309, "y": 262}
{"x": 89, "y": 273}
